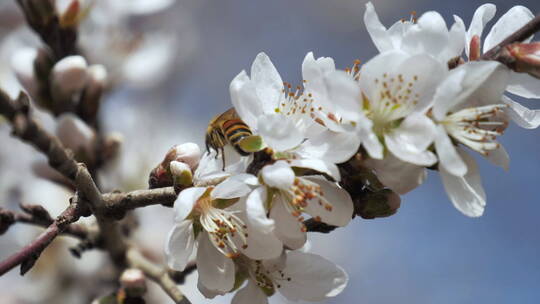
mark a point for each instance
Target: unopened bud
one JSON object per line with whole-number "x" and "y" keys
{"x": 181, "y": 173}
{"x": 134, "y": 282}
{"x": 22, "y": 63}
{"x": 69, "y": 17}
{"x": 111, "y": 146}
{"x": 38, "y": 12}
{"x": 377, "y": 204}
{"x": 75, "y": 134}
{"x": 68, "y": 78}
{"x": 474, "y": 48}
{"x": 522, "y": 58}
{"x": 188, "y": 153}
{"x": 95, "y": 84}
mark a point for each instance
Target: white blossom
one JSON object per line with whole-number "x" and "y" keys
{"x": 215, "y": 218}
{"x": 520, "y": 84}
{"x": 288, "y": 196}
{"x": 284, "y": 121}
{"x": 296, "y": 275}
{"x": 469, "y": 110}
{"x": 396, "y": 92}
{"x": 427, "y": 35}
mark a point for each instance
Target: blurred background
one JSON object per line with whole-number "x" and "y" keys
{"x": 177, "y": 79}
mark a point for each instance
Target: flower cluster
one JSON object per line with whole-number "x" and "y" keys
{"x": 426, "y": 101}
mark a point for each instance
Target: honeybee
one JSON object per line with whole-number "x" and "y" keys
{"x": 228, "y": 128}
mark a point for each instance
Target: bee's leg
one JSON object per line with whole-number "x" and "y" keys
{"x": 223, "y": 158}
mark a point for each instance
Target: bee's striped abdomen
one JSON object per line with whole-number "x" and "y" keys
{"x": 235, "y": 130}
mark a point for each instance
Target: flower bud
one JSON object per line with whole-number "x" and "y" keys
{"x": 22, "y": 63}
{"x": 381, "y": 203}
{"x": 134, "y": 282}
{"x": 188, "y": 154}
{"x": 75, "y": 134}
{"x": 523, "y": 58}
{"x": 38, "y": 12}
{"x": 181, "y": 173}
{"x": 475, "y": 48}
{"x": 111, "y": 146}
{"x": 96, "y": 81}
{"x": 68, "y": 78}
{"x": 69, "y": 17}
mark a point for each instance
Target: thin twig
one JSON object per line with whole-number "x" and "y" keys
{"x": 180, "y": 276}
{"x": 27, "y": 256}
{"x": 523, "y": 33}
{"x": 75, "y": 230}
{"x": 158, "y": 274}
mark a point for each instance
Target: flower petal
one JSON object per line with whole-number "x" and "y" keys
{"x": 428, "y": 73}
{"x": 377, "y": 31}
{"x": 466, "y": 193}
{"x": 371, "y": 143}
{"x": 268, "y": 83}
{"x": 250, "y": 294}
{"x": 429, "y": 35}
{"x": 523, "y": 85}
{"x": 448, "y": 90}
{"x": 522, "y": 116}
{"x": 341, "y": 211}
{"x": 410, "y": 140}
{"x": 231, "y": 188}
{"x": 208, "y": 293}
{"x": 466, "y": 87}
{"x": 374, "y": 70}
{"x": 448, "y": 156}
{"x": 216, "y": 271}
{"x": 256, "y": 211}
{"x": 262, "y": 243}
{"x": 279, "y": 132}
{"x": 397, "y": 175}
{"x": 499, "y": 157}
{"x": 331, "y": 146}
{"x": 511, "y": 21}
{"x": 245, "y": 99}
{"x": 288, "y": 229}
{"x": 278, "y": 175}
{"x": 456, "y": 43}
{"x": 482, "y": 16}
{"x": 185, "y": 201}
{"x": 317, "y": 165}
{"x": 179, "y": 245}
{"x": 313, "y": 278}
{"x": 313, "y": 70}
{"x": 343, "y": 96}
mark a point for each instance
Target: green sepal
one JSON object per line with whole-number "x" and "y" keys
{"x": 239, "y": 279}
{"x": 197, "y": 228}
{"x": 222, "y": 203}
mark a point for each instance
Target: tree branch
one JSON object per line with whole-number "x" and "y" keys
{"x": 74, "y": 230}
{"x": 158, "y": 274}
{"x": 28, "y": 255}
{"x": 61, "y": 159}
{"x": 523, "y": 33}
{"x": 117, "y": 203}
{"x": 89, "y": 200}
